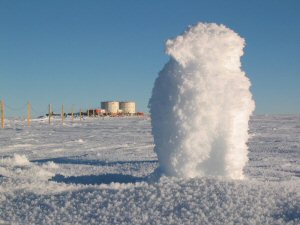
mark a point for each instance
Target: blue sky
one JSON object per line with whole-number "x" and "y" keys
{"x": 78, "y": 53}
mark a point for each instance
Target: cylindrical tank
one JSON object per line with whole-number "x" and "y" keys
{"x": 127, "y": 107}
{"x": 110, "y": 107}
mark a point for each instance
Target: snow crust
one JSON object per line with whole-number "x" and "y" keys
{"x": 48, "y": 176}
{"x": 201, "y": 104}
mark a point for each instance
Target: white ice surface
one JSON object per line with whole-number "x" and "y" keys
{"x": 98, "y": 171}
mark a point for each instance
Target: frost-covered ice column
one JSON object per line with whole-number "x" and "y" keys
{"x": 201, "y": 104}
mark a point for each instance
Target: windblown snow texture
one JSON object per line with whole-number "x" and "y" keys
{"x": 201, "y": 104}
{"x": 96, "y": 171}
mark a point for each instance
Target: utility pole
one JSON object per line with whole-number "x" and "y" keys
{"x": 2, "y": 113}
{"x": 80, "y": 114}
{"x": 28, "y": 114}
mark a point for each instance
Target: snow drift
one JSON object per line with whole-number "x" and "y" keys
{"x": 201, "y": 104}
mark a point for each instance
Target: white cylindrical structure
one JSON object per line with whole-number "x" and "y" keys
{"x": 127, "y": 107}
{"x": 110, "y": 107}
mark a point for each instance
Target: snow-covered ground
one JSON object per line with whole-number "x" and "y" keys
{"x": 98, "y": 171}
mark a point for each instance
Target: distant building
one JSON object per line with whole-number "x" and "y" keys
{"x": 95, "y": 112}
{"x": 114, "y": 107}
{"x": 99, "y": 111}
{"x": 127, "y": 107}
{"x": 110, "y": 107}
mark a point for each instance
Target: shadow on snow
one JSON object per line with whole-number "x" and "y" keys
{"x": 98, "y": 179}
{"x": 66, "y": 160}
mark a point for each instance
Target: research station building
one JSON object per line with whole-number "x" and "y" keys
{"x": 114, "y": 107}
{"x": 128, "y": 107}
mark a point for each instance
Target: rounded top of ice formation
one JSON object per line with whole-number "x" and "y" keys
{"x": 207, "y": 42}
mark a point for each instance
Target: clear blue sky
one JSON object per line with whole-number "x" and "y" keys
{"x": 81, "y": 52}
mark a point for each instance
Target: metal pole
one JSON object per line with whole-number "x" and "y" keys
{"x": 80, "y": 114}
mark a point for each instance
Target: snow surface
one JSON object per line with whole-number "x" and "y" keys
{"x": 99, "y": 171}
{"x": 201, "y": 105}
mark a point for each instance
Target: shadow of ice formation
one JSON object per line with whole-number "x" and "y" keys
{"x": 97, "y": 179}
{"x": 66, "y": 160}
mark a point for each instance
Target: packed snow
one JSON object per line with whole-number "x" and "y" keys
{"x": 201, "y": 105}
{"x": 100, "y": 171}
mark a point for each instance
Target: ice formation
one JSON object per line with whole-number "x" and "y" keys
{"x": 201, "y": 104}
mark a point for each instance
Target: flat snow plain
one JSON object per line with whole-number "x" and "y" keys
{"x": 98, "y": 171}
